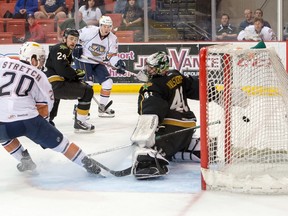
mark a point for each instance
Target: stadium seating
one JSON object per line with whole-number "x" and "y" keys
{"x": 109, "y": 6}
{"x": 17, "y": 26}
{"x": 116, "y": 18}
{"x": 51, "y": 37}
{"x": 1, "y": 25}
{"x": 48, "y": 25}
{"x": 125, "y": 36}
{"x": 6, "y": 7}
{"x": 6, "y": 37}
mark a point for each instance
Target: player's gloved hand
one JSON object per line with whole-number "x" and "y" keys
{"x": 80, "y": 73}
{"x": 78, "y": 51}
{"x": 121, "y": 66}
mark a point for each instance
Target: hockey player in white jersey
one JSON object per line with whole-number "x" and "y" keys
{"x": 257, "y": 32}
{"x": 100, "y": 44}
{"x": 26, "y": 99}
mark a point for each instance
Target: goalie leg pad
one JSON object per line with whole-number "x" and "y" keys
{"x": 144, "y": 133}
{"x": 148, "y": 163}
{"x": 192, "y": 152}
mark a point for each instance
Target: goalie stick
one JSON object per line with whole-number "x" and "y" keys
{"x": 127, "y": 171}
{"x": 157, "y": 138}
{"x": 184, "y": 130}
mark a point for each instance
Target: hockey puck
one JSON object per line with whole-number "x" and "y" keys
{"x": 245, "y": 119}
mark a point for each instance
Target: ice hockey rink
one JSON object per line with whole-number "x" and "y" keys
{"x": 63, "y": 188}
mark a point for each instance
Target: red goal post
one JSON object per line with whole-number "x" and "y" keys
{"x": 248, "y": 150}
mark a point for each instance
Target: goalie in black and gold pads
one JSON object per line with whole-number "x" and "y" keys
{"x": 162, "y": 101}
{"x": 163, "y": 110}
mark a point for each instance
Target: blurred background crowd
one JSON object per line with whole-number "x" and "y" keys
{"x": 43, "y": 21}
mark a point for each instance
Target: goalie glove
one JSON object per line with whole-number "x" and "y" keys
{"x": 121, "y": 66}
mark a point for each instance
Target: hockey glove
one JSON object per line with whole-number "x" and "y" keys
{"x": 78, "y": 51}
{"x": 80, "y": 73}
{"x": 121, "y": 66}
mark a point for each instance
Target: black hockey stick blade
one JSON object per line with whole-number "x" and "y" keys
{"x": 119, "y": 173}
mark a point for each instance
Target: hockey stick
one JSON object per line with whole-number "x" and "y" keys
{"x": 157, "y": 138}
{"x": 184, "y": 130}
{"x": 110, "y": 150}
{"x": 129, "y": 73}
{"x": 107, "y": 105}
{"x": 119, "y": 173}
{"x": 127, "y": 171}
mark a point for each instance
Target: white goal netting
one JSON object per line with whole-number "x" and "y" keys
{"x": 248, "y": 150}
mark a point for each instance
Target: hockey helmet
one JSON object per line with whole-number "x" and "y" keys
{"x": 31, "y": 50}
{"x": 158, "y": 60}
{"x": 69, "y": 31}
{"x": 106, "y": 20}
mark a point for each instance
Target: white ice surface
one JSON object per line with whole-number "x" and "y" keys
{"x": 63, "y": 188}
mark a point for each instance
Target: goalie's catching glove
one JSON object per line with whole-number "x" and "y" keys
{"x": 121, "y": 66}
{"x": 78, "y": 51}
{"x": 80, "y": 73}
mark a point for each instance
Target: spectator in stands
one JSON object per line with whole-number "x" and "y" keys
{"x": 69, "y": 23}
{"x": 36, "y": 32}
{"x": 259, "y": 13}
{"x": 133, "y": 19}
{"x": 248, "y": 19}
{"x": 100, "y": 4}
{"x": 257, "y": 32}
{"x": 51, "y": 9}
{"x": 91, "y": 12}
{"x": 119, "y": 6}
{"x": 226, "y": 32}
{"x": 25, "y": 7}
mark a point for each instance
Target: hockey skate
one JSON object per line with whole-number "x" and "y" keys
{"x": 90, "y": 165}
{"x": 82, "y": 127}
{"x": 105, "y": 113}
{"x": 26, "y": 163}
{"x": 148, "y": 166}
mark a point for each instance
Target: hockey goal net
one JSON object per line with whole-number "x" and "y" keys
{"x": 248, "y": 150}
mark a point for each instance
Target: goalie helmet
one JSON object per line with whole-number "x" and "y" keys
{"x": 158, "y": 60}
{"x": 31, "y": 50}
{"x": 106, "y": 20}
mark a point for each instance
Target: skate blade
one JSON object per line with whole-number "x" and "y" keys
{"x": 31, "y": 172}
{"x": 146, "y": 177}
{"x": 106, "y": 116}
{"x": 79, "y": 131}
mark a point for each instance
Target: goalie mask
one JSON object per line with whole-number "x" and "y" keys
{"x": 30, "y": 51}
{"x": 158, "y": 63}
